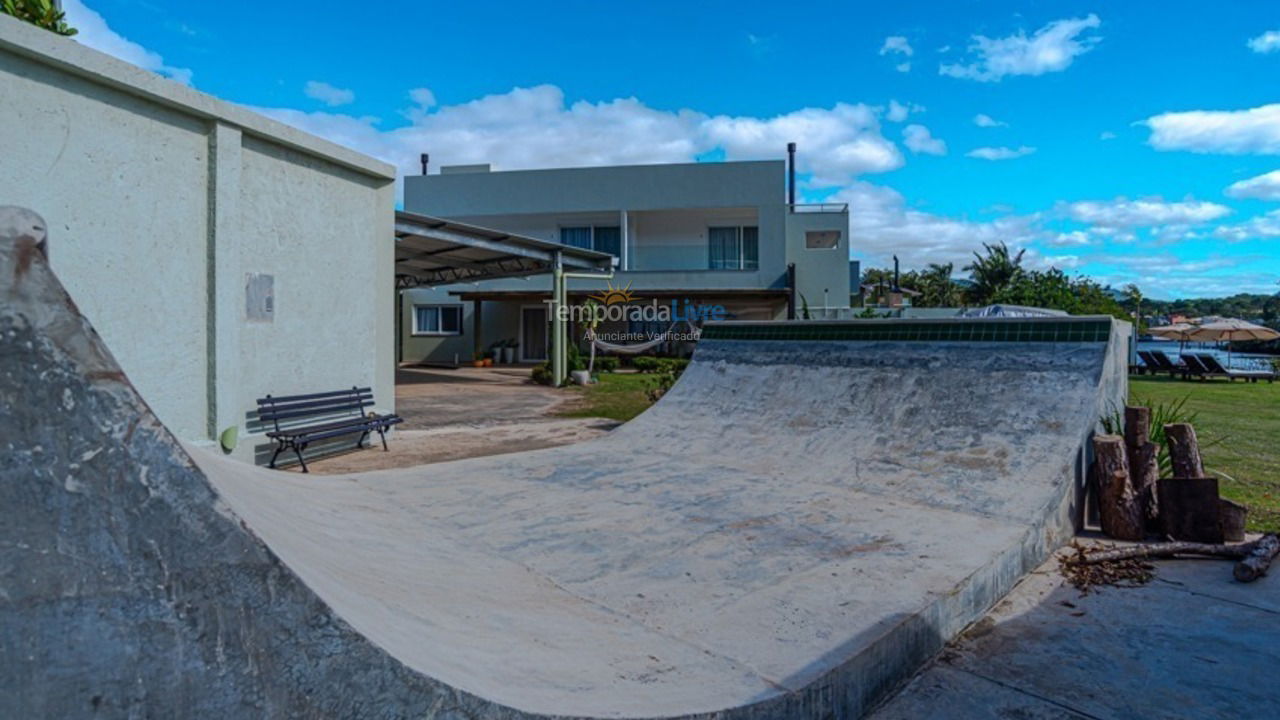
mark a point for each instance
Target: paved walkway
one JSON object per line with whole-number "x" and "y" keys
{"x": 468, "y": 412}
{"x": 1192, "y": 644}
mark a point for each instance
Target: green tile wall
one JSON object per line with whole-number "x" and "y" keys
{"x": 1092, "y": 330}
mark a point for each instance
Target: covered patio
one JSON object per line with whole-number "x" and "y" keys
{"x": 433, "y": 251}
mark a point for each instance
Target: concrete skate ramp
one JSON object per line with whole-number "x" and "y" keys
{"x": 809, "y": 514}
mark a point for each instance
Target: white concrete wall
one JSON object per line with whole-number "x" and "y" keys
{"x": 822, "y": 275}
{"x": 161, "y": 199}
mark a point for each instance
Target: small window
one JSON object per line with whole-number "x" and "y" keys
{"x": 733, "y": 248}
{"x": 822, "y": 239}
{"x": 579, "y": 237}
{"x": 437, "y": 319}
{"x": 601, "y": 238}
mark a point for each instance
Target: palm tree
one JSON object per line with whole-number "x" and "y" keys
{"x": 936, "y": 287}
{"x": 994, "y": 271}
{"x": 1133, "y": 294}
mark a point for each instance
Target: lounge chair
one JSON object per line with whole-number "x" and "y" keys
{"x": 1197, "y": 369}
{"x": 1162, "y": 363}
{"x": 1217, "y": 368}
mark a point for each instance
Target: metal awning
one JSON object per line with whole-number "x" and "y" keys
{"x": 656, "y": 293}
{"x": 435, "y": 251}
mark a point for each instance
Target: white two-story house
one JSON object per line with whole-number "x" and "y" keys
{"x": 719, "y": 234}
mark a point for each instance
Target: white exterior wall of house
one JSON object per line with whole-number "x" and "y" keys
{"x": 667, "y": 211}
{"x": 161, "y": 202}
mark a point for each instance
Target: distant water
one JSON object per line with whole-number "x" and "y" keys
{"x": 1242, "y": 361}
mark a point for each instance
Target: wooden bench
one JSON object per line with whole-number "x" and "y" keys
{"x": 337, "y": 413}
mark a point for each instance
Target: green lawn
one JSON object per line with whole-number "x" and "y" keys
{"x": 1240, "y": 425}
{"x": 618, "y": 396}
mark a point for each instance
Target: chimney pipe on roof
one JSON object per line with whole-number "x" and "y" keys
{"x": 791, "y": 176}
{"x": 424, "y": 157}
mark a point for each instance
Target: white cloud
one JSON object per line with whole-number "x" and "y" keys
{"x": 1234, "y": 132}
{"x": 836, "y": 144}
{"x": 898, "y": 112}
{"x": 897, "y": 45}
{"x": 1260, "y": 227}
{"x": 903, "y": 67}
{"x": 95, "y": 33}
{"x": 882, "y": 226}
{"x": 986, "y": 121}
{"x": 1051, "y": 49}
{"x": 328, "y": 94}
{"x": 1000, "y": 153}
{"x": 1106, "y": 135}
{"x": 535, "y": 127}
{"x": 1074, "y": 238}
{"x": 1267, "y": 42}
{"x": 1262, "y": 187}
{"x": 1149, "y": 212}
{"x": 918, "y": 140}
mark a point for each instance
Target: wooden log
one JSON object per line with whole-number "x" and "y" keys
{"x": 1137, "y": 427}
{"x": 1167, "y": 550}
{"x": 1255, "y": 564}
{"x": 1144, "y": 472}
{"x": 1118, "y": 507}
{"x": 1184, "y": 450}
{"x": 1189, "y": 509}
{"x": 1231, "y": 515}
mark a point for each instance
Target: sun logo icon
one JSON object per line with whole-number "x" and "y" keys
{"x": 612, "y": 295}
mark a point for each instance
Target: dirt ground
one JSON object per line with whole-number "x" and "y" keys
{"x": 468, "y": 412}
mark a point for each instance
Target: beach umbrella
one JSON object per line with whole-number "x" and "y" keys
{"x": 1178, "y": 331}
{"x": 1229, "y": 329}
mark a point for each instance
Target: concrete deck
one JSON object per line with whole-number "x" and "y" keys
{"x": 464, "y": 413}
{"x": 1192, "y": 644}
{"x": 789, "y": 533}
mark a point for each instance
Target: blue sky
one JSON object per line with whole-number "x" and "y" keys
{"x": 1128, "y": 141}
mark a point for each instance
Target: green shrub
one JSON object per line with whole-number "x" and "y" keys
{"x": 651, "y": 364}
{"x": 645, "y": 363}
{"x": 607, "y": 363}
{"x": 542, "y": 374}
{"x": 42, "y": 13}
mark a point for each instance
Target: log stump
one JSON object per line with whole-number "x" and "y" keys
{"x": 1119, "y": 508}
{"x": 1189, "y": 509}
{"x": 1231, "y": 515}
{"x": 1184, "y": 450}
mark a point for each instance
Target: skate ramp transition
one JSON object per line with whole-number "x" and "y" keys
{"x": 809, "y": 514}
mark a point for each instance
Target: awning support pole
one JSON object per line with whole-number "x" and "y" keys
{"x": 475, "y": 320}
{"x": 558, "y": 356}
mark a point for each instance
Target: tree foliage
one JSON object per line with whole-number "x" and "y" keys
{"x": 993, "y": 272}
{"x": 43, "y": 13}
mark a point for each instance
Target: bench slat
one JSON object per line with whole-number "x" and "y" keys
{"x": 273, "y": 416}
{"x": 312, "y": 396}
{"x": 332, "y": 402}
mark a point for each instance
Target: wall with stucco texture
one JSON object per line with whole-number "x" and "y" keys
{"x": 160, "y": 200}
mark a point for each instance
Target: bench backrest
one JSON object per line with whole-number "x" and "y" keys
{"x": 1163, "y": 360}
{"x": 273, "y": 409}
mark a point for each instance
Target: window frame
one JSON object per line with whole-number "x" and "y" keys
{"x": 439, "y": 308}
{"x": 740, "y": 247}
{"x": 592, "y": 228}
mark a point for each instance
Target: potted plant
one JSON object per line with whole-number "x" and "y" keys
{"x": 495, "y": 352}
{"x": 509, "y": 351}
{"x": 478, "y": 359}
